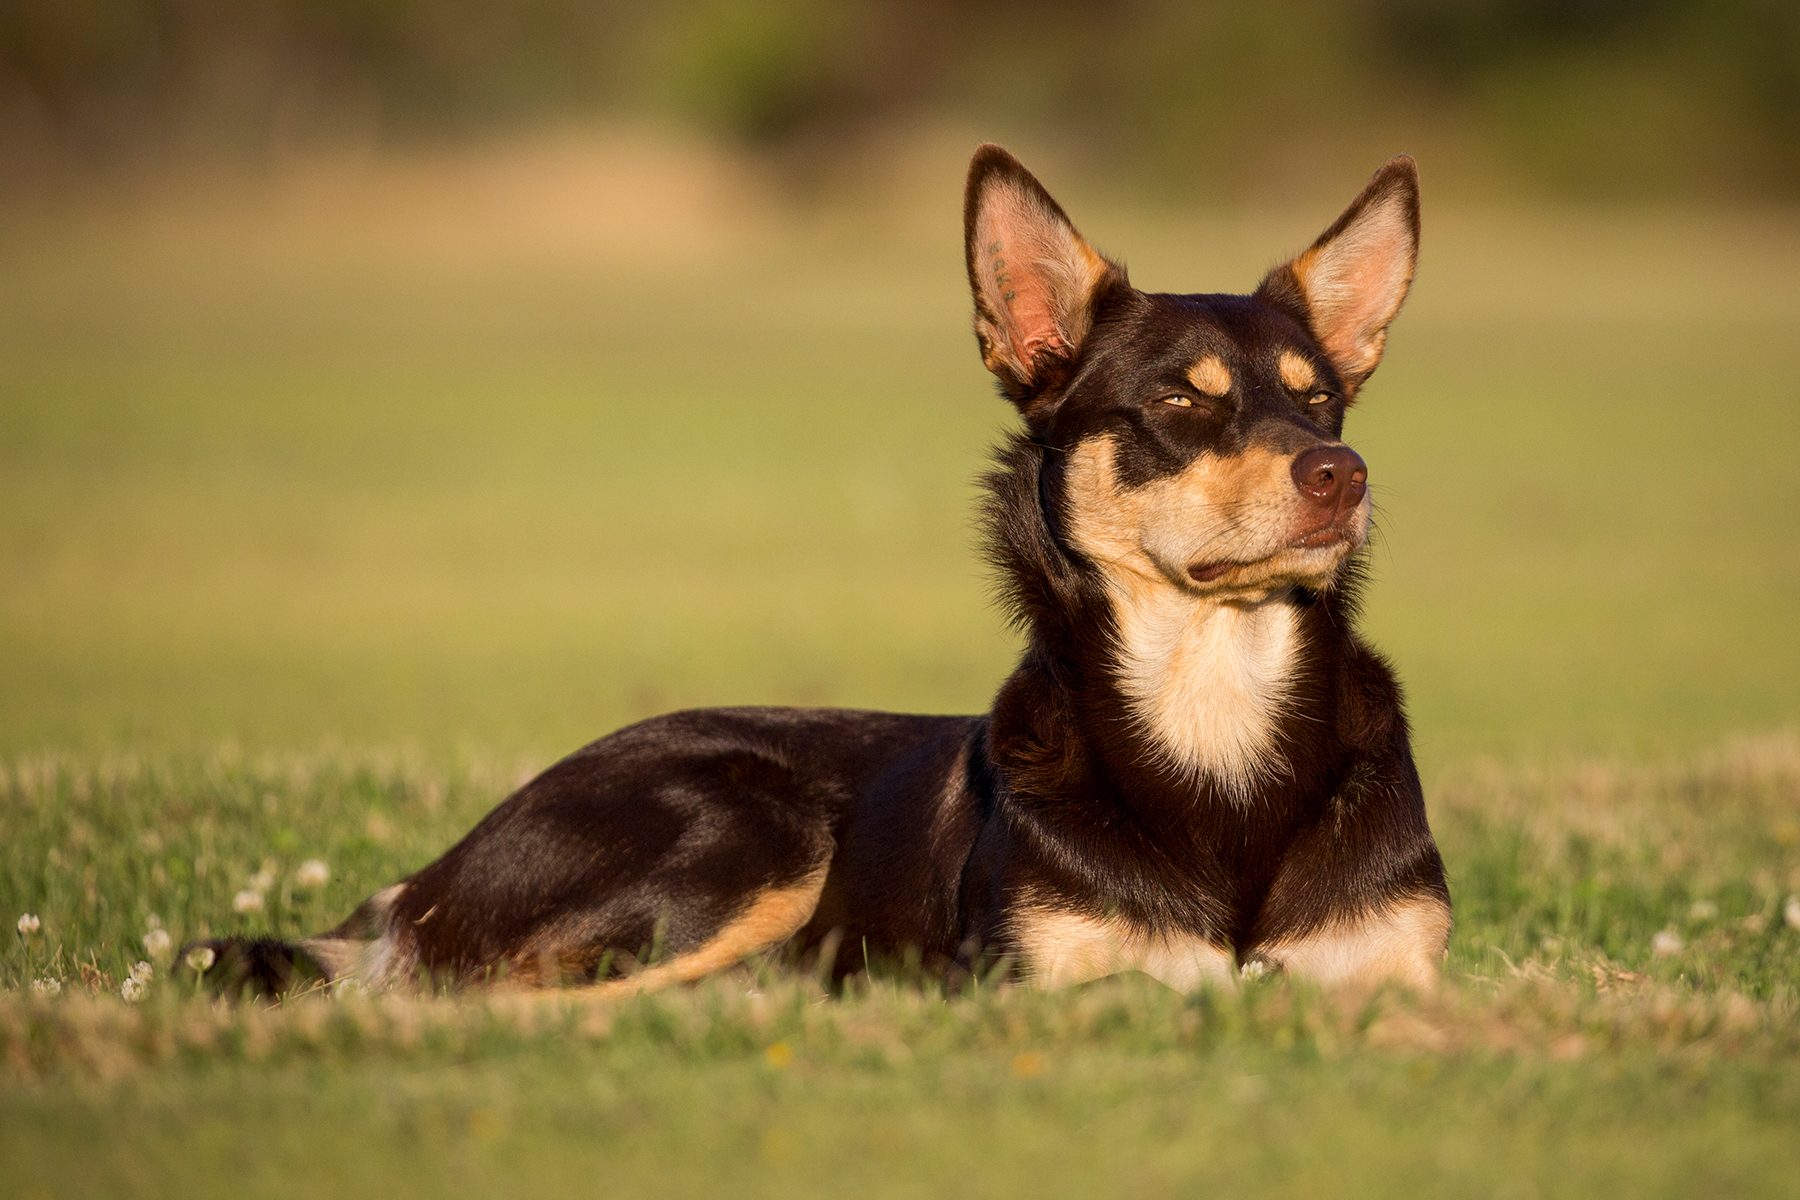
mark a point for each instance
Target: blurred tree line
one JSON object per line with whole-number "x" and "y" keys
{"x": 1583, "y": 97}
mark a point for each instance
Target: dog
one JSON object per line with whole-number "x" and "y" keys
{"x": 1197, "y": 770}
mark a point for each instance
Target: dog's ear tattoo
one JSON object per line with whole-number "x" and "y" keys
{"x": 1034, "y": 278}
{"x": 1349, "y": 284}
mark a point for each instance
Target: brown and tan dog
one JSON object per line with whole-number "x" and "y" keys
{"x": 1196, "y": 768}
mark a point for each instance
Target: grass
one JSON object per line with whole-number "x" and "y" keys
{"x": 328, "y": 513}
{"x": 1567, "y": 1052}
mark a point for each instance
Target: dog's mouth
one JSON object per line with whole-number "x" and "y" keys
{"x": 1328, "y": 535}
{"x": 1309, "y": 557}
{"x": 1211, "y": 572}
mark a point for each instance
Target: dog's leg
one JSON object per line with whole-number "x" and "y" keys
{"x": 1059, "y": 948}
{"x": 1402, "y": 943}
{"x": 766, "y": 920}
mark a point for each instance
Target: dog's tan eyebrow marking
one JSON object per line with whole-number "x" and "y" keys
{"x": 1211, "y": 376}
{"x": 1296, "y": 372}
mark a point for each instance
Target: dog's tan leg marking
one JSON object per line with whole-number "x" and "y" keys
{"x": 1058, "y": 948}
{"x": 1403, "y": 943}
{"x": 767, "y": 920}
{"x": 339, "y": 956}
{"x": 362, "y": 947}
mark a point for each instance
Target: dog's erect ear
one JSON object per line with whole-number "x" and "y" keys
{"x": 1350, "y": 283}
{"x": 1034, "y": 277}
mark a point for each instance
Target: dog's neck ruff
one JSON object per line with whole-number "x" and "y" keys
{"x": 1208, "y": 683}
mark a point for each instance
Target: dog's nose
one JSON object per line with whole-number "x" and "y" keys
{"x": 1331, "y": 477}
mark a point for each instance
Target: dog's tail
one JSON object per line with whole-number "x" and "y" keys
{"x": 251, "y": 967}
{"x": 363, "y": 947}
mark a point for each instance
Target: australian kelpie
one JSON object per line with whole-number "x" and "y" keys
{"x": 1197, "y": 769}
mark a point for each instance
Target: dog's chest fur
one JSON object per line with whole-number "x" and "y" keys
{"x": 1208, "y": 682}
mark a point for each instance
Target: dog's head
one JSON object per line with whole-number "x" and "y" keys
{"x": 1200, "y": 435}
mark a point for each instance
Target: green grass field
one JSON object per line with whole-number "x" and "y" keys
{"x": 327, "y": 514}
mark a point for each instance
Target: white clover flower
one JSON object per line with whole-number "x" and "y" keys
{"x": 247, "y": 901}
{"x": 47, "y": 986}
{"x": 313, "y": 873}
{"x": 133, "y": 990}
{"x": 1703, "y": 910}
{"x": 1790, "y": 912}
{"x": 157, "y": 943}
{"x": 1665, "y": 943}
{"x": 263, "y": 880}
{"x": 200, "y": 959}
{"x": 143, "y": 972}
{"x": 29, "y": 924}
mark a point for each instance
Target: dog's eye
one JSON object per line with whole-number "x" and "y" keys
{"x": 1178, "y": 400}
{"x": 1319, "y": 397}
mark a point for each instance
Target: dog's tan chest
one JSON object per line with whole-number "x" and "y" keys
{"x": 1209, "y": 682}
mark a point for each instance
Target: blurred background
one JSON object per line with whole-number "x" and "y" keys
{"x": 1628, "y": 99}
{"x": 478, "y": 376}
